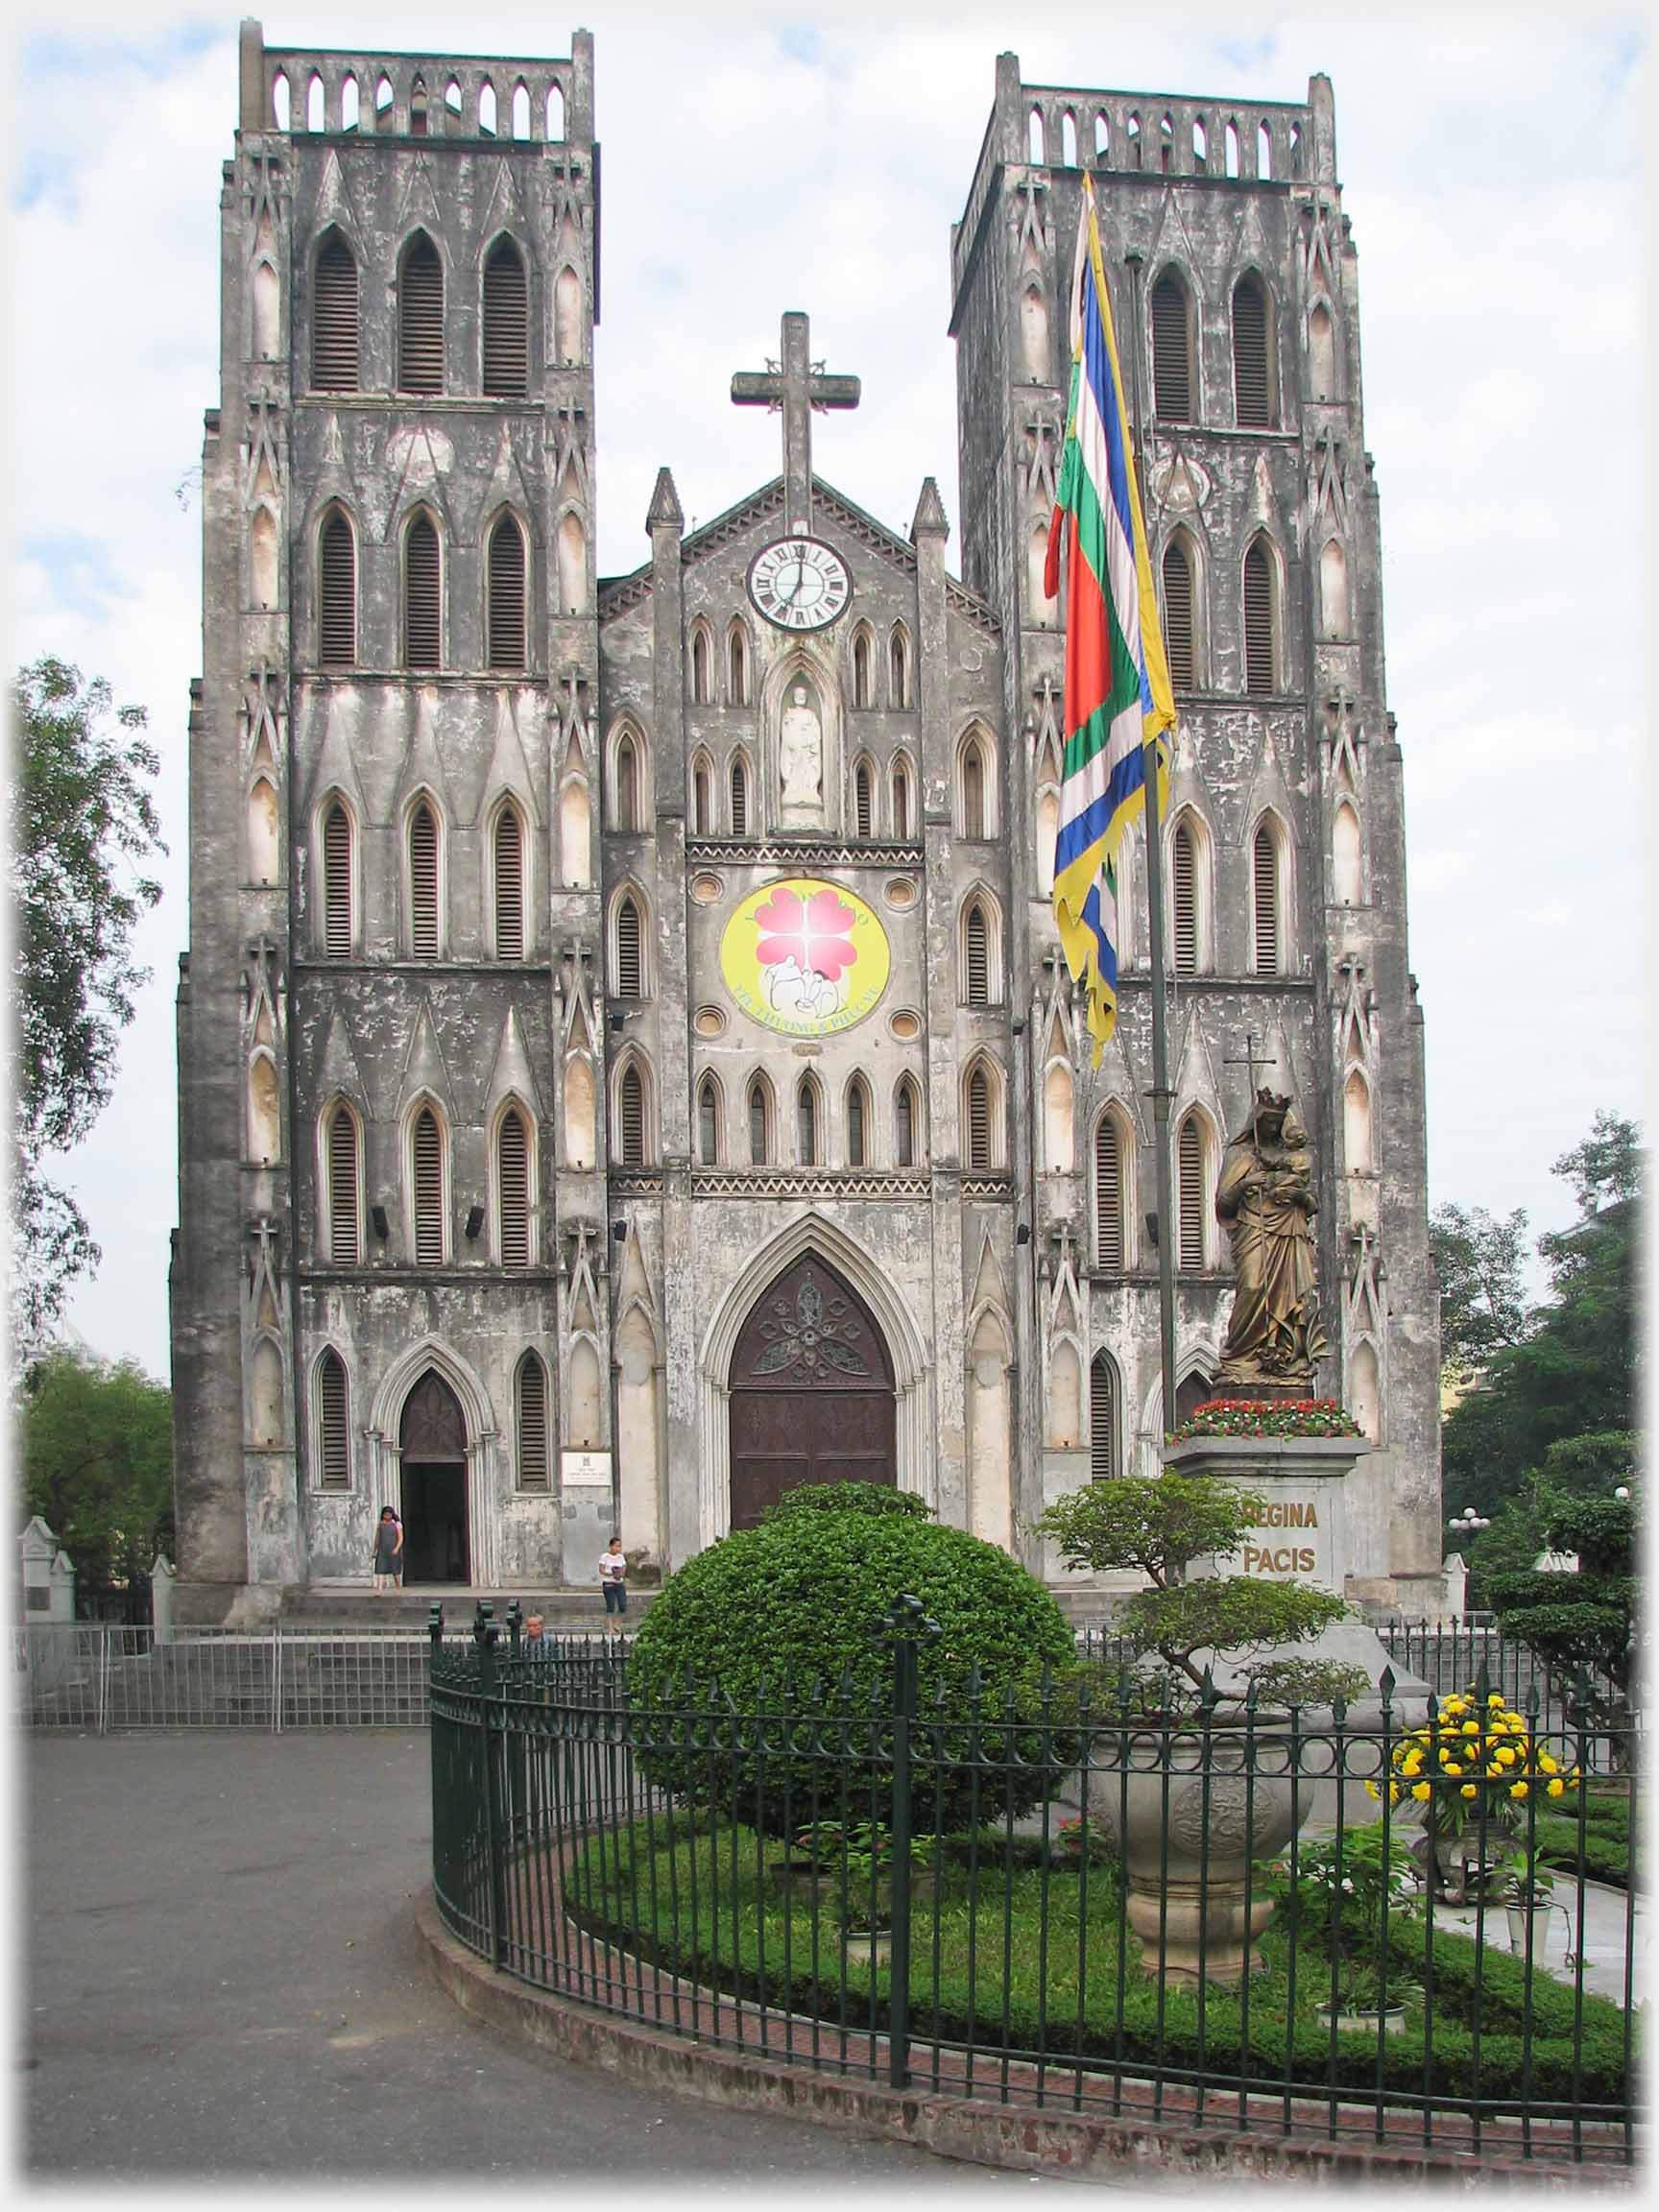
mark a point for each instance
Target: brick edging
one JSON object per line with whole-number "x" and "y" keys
{"x": 1012, "y": 2136}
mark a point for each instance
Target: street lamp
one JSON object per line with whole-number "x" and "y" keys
{"x": 1623, "y": 1495}
{"x": 1468, "y": 1522}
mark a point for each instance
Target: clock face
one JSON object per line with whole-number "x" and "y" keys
{"x": 800, "y": 584}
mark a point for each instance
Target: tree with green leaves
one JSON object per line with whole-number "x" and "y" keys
{"x": 1479, "y": 1259}
{"x": 97, "y": 1463}
{"x": 1578, "y": 1618}
{"x": 82, "y": 825}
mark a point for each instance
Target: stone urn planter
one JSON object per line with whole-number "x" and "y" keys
{"x": 1196, "y": 1819}
{"x": 1362, "y": 2019}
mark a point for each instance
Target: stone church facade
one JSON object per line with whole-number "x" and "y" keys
{"x": 624, "y": 1069}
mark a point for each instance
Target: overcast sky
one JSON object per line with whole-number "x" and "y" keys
{"x": 758, "y": 160}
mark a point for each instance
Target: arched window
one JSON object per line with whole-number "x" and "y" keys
{"x": 521, "y": 110}
{"x": 532, "y": 1396}
{"x": 334, "y": 318}
{"x": 337, "y": 882}
{"x": 427, "y": 1180}
{"x": 421, "y": 318}
{"x": 1178, "y": 614}
{"x": 341, "y": 1167}
{"x": 333, "y": 1424}
{"x": 631, "y": 1117}
{"x": 350, "y": 105}
{"x": 1068, "y": 140}
{"x": 512, "y": 1188}
{"x": 506, "y": 323}
{"x": 627, "y": 793}
{"x": 1259, "y": 620}
{"x": 862, "y": 695}
{"x": 1252, "y": 363}
{"x": 976, "y": 958}
{"x": 1172, "y": 350}
{"x": 857, "y": 1122}
{"x": 1189, "y": 1195}
{"x": 264, "y": 833}
{"x": 509, "y": 883}
{"x": 898, "y": 666}
{"x": 1321, "y": 354}
{"x": 736, "y": 666}
{"x": 702, "y": 799}
{"x": 863, "y": 800}
{"x": 1110, "y": 1243}
{"x": 708, "y": 1121}
{"x": 1345, "y": 868}
{"x": 700, "y": 672}
{"x": 555, "y": 111}
{"x": 487, "y": 109}
{"x": 337, "y": 592}
{"x": 630, "y": 949}
{"x": 739, "y": 797}
{"x": 1103, "y": 1456}
{"x": 507, "y": 568}
{"x": 1102, "y": 136}
{"x": 424, "y": 894}
{"x": 902, "y": 800}
{"x": 1333, "y": 590}
{"x": 1185, "y": 856}
{"x": 1265, "y": 901}
{"x": 759, "y": 1123}
{"x": 1035, "y": 136}
{"x": 975, "y": 814}
{"x": 807, "y": 1121}
{"x": 1357, "y": 1124}
{"x": 422, "y": 595}
{"x": 418, "y": 115}
{"x": 906, "y": 1119}
{"x": 978, "y": 1151}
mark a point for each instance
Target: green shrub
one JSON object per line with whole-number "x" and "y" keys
{"x": 784, "y": 1618}
{"x": 851, "y": 1497}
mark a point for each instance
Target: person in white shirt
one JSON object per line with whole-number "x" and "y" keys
{"x": 612, "y": 1574}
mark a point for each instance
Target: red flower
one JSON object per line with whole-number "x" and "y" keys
{"x": 813, "y": 932}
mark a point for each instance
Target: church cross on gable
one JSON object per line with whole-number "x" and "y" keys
{"x": 796, "y": 385}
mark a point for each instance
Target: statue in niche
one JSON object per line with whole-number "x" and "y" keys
{"x": 1265, "y": 1203}
{"x": 800, "y": 754}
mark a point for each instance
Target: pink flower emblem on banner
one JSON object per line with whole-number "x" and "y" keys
{"x": 815, "y": 933}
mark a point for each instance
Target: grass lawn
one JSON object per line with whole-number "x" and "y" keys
{"x": 1606, "y": 1834}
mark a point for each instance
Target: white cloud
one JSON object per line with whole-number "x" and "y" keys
{"x": 1491, "y": 170}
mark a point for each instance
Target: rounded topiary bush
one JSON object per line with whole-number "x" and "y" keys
{"x": 851, "y": 1497}
{"x": 757, "y": 1685}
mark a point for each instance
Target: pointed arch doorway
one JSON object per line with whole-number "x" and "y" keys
{"x": 813, "y": 1394}
{"x": 432, "y": 1455}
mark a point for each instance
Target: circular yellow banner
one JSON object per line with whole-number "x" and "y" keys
{"x": 805, "y": 957}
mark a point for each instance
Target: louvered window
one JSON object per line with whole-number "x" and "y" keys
{"x": 1185, "y": 902}
{"x": 1266, "y": 888}
{"x": 337, "y": 882}
{"x": 630, "y": 958}
{"x": 973, "y": 793}
{"x": 861, "y": 669}
{"x": 806, "y": 1114}
{"x": 855, "y": 1117}
{"x": 905, "y": 1125}
{"x": 506, "y": 323}
{"x": 422, "y": 595}
{"x": 1251, "y": 389}
{"x": 507, "y": 595}
{"x": 509, "y": 885}
{"x": 1102, "y": 1419}
{"x": 1178, "y": 615}
{"x": 978, "y": 957}
{"x": 513, "y": 1169}
{"x": 1257, "y": 620}
{"x": 631, "y": 1102}
{"x": 334, "y": 1434}
{"x": 1109, "y": 1196}
{"x": 862, "y": 809}
{"x": 532, "y": 1424}
{"x": 739, "y": 801}
{"x": 1172, "y": 360}
{"x": 424, "y": 882}
{"x": 421, "y": 319}
{"x": 979, "y": 1122}
{"x": 342, "y": 1247}
{"x": 337, "y": 592}
{"x": 334, "y": 318}
{"x": 758, "y": 1133}
{"x": 428, "y": 1191}
{"x": 708, "y": 1123}
{"x": 900, "y": 804}
{"x": 1189, "y": 1174}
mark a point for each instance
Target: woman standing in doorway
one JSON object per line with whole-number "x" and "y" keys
{"x": 389, "y": 1550}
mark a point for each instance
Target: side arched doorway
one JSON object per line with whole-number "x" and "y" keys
{"x": 812, "y": 1391}
{"x": 432, "y": 1439}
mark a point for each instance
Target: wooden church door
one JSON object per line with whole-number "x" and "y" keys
{"x": 433, "y": 1437}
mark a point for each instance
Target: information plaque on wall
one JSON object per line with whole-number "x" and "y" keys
{"x": 585, "y": 1470}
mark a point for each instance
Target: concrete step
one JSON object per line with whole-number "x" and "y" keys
{"x": 567, "y": 1610}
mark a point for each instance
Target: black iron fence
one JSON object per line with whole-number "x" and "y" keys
{"x": 1411, "y": 1925}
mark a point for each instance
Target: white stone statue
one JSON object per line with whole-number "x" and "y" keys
{"x": 800, "y": 754}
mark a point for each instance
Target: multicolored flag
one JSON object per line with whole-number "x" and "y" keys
{"x": 1117, "y": 696}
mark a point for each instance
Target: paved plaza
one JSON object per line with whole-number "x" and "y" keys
{"x": 225, "y": 1982}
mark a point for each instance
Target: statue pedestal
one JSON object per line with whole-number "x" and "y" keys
{"x": 1302, "y": 1536}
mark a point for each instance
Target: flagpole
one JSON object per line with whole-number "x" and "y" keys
{"x": 1161, "y": 1092}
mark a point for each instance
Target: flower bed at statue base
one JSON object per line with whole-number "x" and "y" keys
{"x": 1041, "y": 1960}
{"x": 1266, "y": 1417}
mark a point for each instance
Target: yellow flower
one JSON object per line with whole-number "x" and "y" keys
{"x": 1470, "y": 1727}
{"x": 1495, "y": 1771}
{"x": 1555, "y": 1788}
{"x": 1516, "y": 1722}
{"x": 1505, "y": 1755}
{"x": 1372, "y": 1790}
{"x": 1453, "y": 1707}
{"x": 1452, "y": 1766}
{"x": 1420, "y": 1789}
{"x": 1496, "y": 1699}
{"x": 1546, "y": 1765}
{"x": 1413, "y": 1765}
{"x": 1517, "y": 1788}
{"x": 1469, "y": 1790}
{"x": 1393, "y": 1792}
